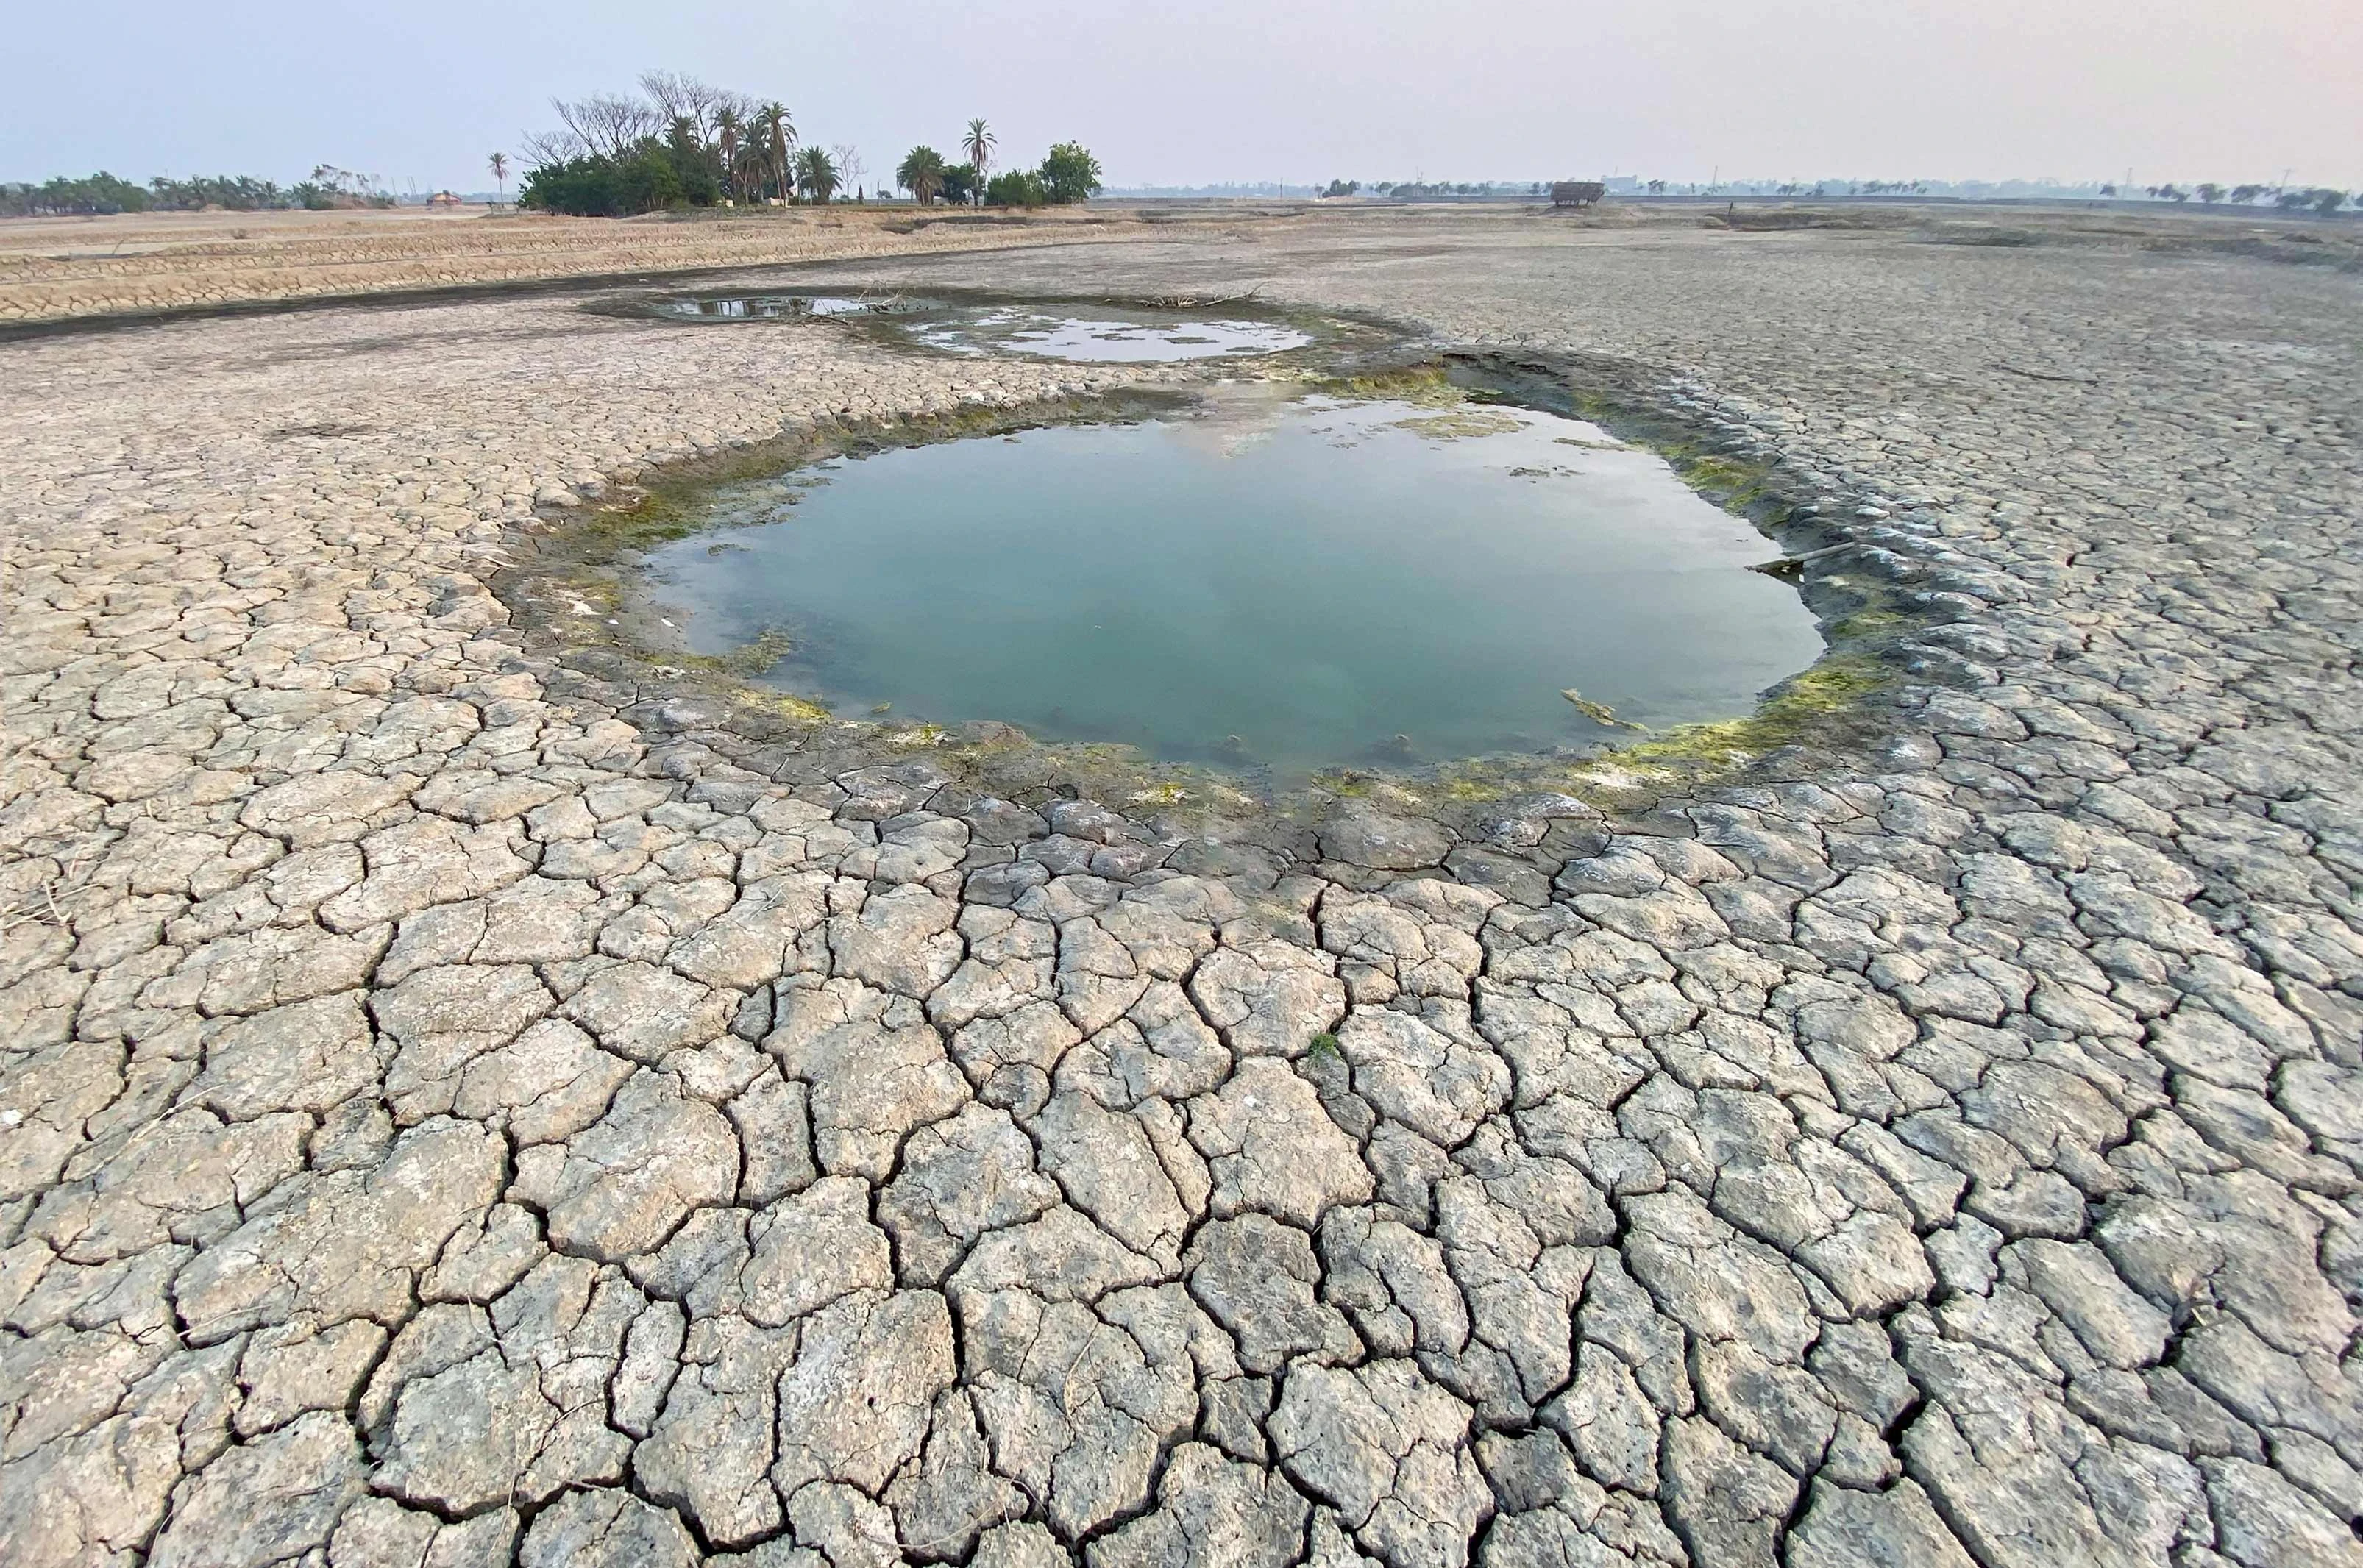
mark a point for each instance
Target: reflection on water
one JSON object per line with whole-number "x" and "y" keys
{"x": 1309, "y": 583}
{"x": 791, "y": 307}
{"x": 1107, "y": 335}
{"x": 1140, "y": 337}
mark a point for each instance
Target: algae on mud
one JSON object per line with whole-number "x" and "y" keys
{"x": 1269, "y": 585}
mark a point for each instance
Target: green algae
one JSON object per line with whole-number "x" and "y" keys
{"x": 1832, "y": 706}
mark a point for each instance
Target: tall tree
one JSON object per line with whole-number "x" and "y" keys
{"x": 921, "y": 173}
{"x": 1070, "y": 173}
{"x": 727, "y": 130}
{"x": 849, "y": 161}
{"x": 500, "y": 167}
{"x": 602, "y": 124}
{"x": 817, "y": 173}
{"x": 678, "y": 96}
{"x": 980, "y": 143}
{"x": 776, "y": 134}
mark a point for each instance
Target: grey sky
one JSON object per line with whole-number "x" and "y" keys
{"x": 1245, "y": 90}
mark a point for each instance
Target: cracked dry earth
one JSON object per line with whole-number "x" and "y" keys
{"x": 456, "y": 1114}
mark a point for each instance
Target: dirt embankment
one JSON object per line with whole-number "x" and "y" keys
{"x": 55, "y": 269}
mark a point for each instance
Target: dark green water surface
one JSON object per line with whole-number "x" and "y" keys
{"x": 1281, "y": 585}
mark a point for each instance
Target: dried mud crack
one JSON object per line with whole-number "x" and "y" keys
{"x": 464, "y": 1105}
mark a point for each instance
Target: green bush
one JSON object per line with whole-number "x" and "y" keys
{"x": 1016, "y": 188}
{"x": 585, "y": 186}
{"x": 647, "y": 177}
{"x": 649, "y": 180}
{"x": 1069, "y": 174}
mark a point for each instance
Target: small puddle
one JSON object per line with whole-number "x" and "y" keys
{"x": 1137, "y": 337}
{"x": 1282, "y": 585}
{"x": 791, "y": 307}
{"x": 1083, "y": 335}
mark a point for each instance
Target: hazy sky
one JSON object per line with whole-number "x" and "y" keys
{"x": 1231, "y": 90}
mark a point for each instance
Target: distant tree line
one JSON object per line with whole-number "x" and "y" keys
{"x": 1426, "y": 191}
{"x": 1067, "y": 174}
{"x": 2319, "y": 199}
{"x": 2289, "y": 199}
{"x": 678, "y": 142}
{"x": 102, "y": 192}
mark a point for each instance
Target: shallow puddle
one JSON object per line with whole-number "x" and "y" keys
{"x": 1288, "y": 585}
{"x": 1136, "y": 337}
{"x": 792, "y": 307}
{"x": 1083, "y": 334}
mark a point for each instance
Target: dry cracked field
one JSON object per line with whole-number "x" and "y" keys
{"x": 459, "y": 1105}
{"x": 58, "y": 268}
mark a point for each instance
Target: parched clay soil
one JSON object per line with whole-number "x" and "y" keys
{"x": 63, "y": 269}
{"x": 463, "y": 1104}
{"x": 55, "y": 269}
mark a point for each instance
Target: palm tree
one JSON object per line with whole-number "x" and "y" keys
{"x": 980, "y": 143}
{"x": 726, "y": 126}
{"x": 500, "y": 165}
{"x": 921, "y": 173}
{"x": 775, "y": 134}
{"x": 817, "y": 173}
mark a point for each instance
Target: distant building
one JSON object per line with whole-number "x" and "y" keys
{"x": 443, "y": 199}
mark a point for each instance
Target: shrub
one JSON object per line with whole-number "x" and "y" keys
{"x": 1070, "y": 173}
{"x": 647, "y": 176}
{"x": 585, "y": 186}
{"x": 1016, "y": 188}
{"x": 650, "y": 180}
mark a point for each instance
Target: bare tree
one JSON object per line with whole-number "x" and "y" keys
{"x": 607, "y": 123}
{"x": 849, "y": 166}
{"x": 551, "y": 147}
{"x": 679, "y": 96}
{"x": 746, "y": 105}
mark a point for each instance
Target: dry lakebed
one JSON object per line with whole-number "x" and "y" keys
{"x": 1416, "y": 887}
